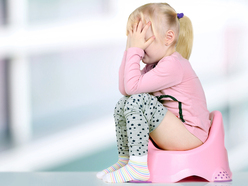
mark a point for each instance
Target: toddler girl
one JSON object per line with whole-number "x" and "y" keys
{"x": 165, "y": 101}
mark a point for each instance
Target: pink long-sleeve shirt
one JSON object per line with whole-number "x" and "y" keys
{"x": 173, "y": 76}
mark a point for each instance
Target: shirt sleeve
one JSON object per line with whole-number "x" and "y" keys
{"x": 147, "y": 68}
{"x": 121, "y": 75}
{"x": 167, "y": 73}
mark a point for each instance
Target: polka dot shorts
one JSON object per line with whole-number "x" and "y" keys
{"x": 135, "y": 117}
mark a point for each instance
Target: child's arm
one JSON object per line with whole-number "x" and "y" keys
{"x": 167, "y": 73}
{"x": 121, "y": 75}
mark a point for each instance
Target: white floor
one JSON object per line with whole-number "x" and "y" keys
{"x": 89, "y": 179}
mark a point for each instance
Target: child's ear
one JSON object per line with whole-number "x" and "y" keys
{"x": 169, "y": 37}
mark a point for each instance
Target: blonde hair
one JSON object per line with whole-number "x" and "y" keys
{"x": 164, "y": 18}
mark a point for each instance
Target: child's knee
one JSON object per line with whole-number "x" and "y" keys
{"x": 123, "y": 99}
{"x": 121, "y": 103}
{"x": 137, "y": 98}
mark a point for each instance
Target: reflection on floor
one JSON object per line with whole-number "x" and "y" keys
{"x": 95, "y": 162}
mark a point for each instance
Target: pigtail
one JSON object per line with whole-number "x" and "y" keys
{"x": 185, "y": 40}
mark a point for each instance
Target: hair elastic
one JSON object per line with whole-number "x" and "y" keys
{"x": 180, "y": 15}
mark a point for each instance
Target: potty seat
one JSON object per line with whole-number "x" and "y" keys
{"x": 208, "y": 161}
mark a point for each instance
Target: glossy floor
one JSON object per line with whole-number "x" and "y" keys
{"x": 89, "y": 179}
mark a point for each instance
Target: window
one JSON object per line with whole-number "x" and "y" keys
{"x": 62, "y": 10}
{"x": 4, "y": 133}
{"x": 3, "y": 15}
{"x": 72, "y": 87}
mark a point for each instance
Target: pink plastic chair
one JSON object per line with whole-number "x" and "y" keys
{"x": 209, "y": 161}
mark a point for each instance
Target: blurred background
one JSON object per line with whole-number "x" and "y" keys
{"x": 59, "y": 64}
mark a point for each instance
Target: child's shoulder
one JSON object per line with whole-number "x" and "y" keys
{"x": 177, "y": 59}
{"x": 175, "y": 62}
{"x": 173, "y": 59}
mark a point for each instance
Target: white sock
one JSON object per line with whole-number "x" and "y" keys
{"x": 123, "y": 160}
{"x": 139, "y": 158}
{"x": 135, "y": 170}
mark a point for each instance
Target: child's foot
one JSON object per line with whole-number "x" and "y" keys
{"x": 133, "y": 171}
{"x": 123, "y": 160}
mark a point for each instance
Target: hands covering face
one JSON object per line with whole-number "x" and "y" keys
{"x": 137, "y": 36}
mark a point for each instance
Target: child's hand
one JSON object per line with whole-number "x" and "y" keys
{"x": 136, "y": 36}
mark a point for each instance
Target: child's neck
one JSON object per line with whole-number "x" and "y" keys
{"x": 170, "y": 51}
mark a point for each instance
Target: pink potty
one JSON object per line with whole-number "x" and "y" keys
{"x": 208, "y": 161}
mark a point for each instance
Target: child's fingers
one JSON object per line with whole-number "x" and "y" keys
{"x": 149, "y": 41}
{"x": 135, "y": 27}
{"x": 146, "y": 27}
{"x": 139, "y": 27}
{"x": 128, "y": 41}
{"x": 130, "y": 31}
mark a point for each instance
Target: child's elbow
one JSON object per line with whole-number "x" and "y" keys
{"x": 130, "y": 91}
{"x": 122, "y": 91}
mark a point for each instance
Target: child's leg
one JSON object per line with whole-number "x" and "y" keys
{"x": 143, "y": 114}
{"x": 172, "y": 134}
{"x": 121, "y": 128}
{"x": 121, "y": 137}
